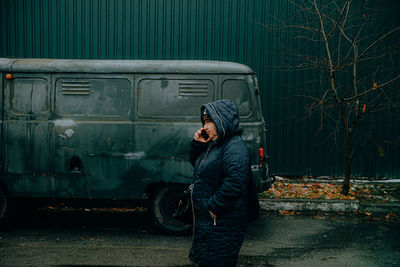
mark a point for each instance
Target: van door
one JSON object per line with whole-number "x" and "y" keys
{"x": 93, "y": 134}
{"x": 167, "y": 116}
{"x": 26, "y": 134}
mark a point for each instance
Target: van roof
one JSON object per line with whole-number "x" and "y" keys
{"x": 121, "y": 66}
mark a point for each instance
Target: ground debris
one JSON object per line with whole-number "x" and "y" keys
{"x": 325, "y": 190}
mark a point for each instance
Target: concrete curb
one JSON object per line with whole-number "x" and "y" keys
{"x": 328, "y": 205}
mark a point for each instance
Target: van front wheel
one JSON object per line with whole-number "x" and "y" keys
{"x": 164, "y": 202}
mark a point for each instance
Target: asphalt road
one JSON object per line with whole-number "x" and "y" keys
{"x": 90, "y": 238}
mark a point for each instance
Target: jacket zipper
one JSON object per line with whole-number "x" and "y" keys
{"x": 192, "y": 186}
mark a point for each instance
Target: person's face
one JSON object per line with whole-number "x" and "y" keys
{"x": 211, "y": 130}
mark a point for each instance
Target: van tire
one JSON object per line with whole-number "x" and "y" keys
{"x": 162, "y": 205}
{"x": 5, "y": 204}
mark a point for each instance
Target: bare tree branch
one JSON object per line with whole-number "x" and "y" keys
{"x": 344, "y": 10}
{"x": 379, "y": 40}
{"x": 374, "y": 88}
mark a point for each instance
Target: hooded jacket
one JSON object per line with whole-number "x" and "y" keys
{"x": 220, "y": 179}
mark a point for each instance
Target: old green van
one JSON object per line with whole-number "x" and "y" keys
{"x": 115, "y": 129}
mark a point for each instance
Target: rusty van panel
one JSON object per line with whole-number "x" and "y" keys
{"x": 165, "y": 147}
{"x": 93, "y": 132}
{"x": 27, "y": 156}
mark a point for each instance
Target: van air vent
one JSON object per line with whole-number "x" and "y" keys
{"x": 193, "y": 89}
{"x": 76, "y": 88}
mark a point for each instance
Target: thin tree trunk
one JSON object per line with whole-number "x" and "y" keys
{"x": 339, "y": 103}
{"x": 348, "y": 160}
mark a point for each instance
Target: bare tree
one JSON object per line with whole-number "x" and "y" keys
{"x": 359, "y": 67}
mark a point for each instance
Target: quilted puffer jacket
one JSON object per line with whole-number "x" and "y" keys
{"x": 220, "y": 179}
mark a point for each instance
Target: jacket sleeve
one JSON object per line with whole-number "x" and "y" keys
{"x": 235, "y": 167}
{"x": 196, "y": 147}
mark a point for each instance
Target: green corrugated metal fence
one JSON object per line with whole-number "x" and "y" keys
{"x": 232, "y": 30}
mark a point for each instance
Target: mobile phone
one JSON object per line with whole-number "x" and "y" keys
{"x": 204, "y": 134}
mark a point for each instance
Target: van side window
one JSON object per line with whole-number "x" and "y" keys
{"x": 238, "y": 91}
{"x": 29, "y": 96}
{"x": 93, "y": 97}
{"x": 173, "y": 97}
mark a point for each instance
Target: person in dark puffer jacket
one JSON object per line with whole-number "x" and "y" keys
{"x": 221, "y": 164}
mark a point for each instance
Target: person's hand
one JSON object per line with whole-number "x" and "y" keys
{"x": 214, "y": 217}
{"x": 199, "y": 137}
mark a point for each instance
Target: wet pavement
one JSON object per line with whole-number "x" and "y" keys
{"x": 87, "y": 238}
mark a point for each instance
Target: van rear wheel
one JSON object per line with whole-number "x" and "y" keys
{"x": 164, "y": 202}
{"x": 4, "y": 204}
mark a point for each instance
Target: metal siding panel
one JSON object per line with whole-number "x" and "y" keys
{"x": 28, "y": 29}
{"x": 136, "y": 35}
{"x": 69, "y": 29}
{"x": 218, "y": 29}
{"x": 189, "y": 33}
{"x": 61, "y": 29}
{"x": 19, "y": 22}
{"x": 93, "y": 37}
{"x": 168, "y": 30}
{"x": 118, "y": 28}
{"x": 102, "y": 18}
{"x": 177, "y": 29}
{"x": 110, "y": 37}
{"x": 151, "y": 29}
{"x": 211, "y": 46}
{"x": 4, "y": 28}
{"x": 275, "y": 141}
{"x": 144, "y": 28}
{"x": 240, "y": 15}
{"x": 193, "y": 41}
{"x": 210, "y": 30}
{"x": 87, "y": 29}
{"x": 52, "y": 37}
{"x": 185, "y": 30}
{"x": 224, "y": 45}
{"x": 201, "y": 32}
{"x": 45, "y": 26}
{"x": 126, "y": 30}
{"x": 37, "y": 27}
{"x": 162, "y": 22}
{"x": 121, "y": 29}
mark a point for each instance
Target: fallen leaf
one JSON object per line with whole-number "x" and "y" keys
{"x": 286, "y": 212}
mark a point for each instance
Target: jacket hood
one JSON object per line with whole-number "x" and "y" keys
{"x": 224, "y": 114}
